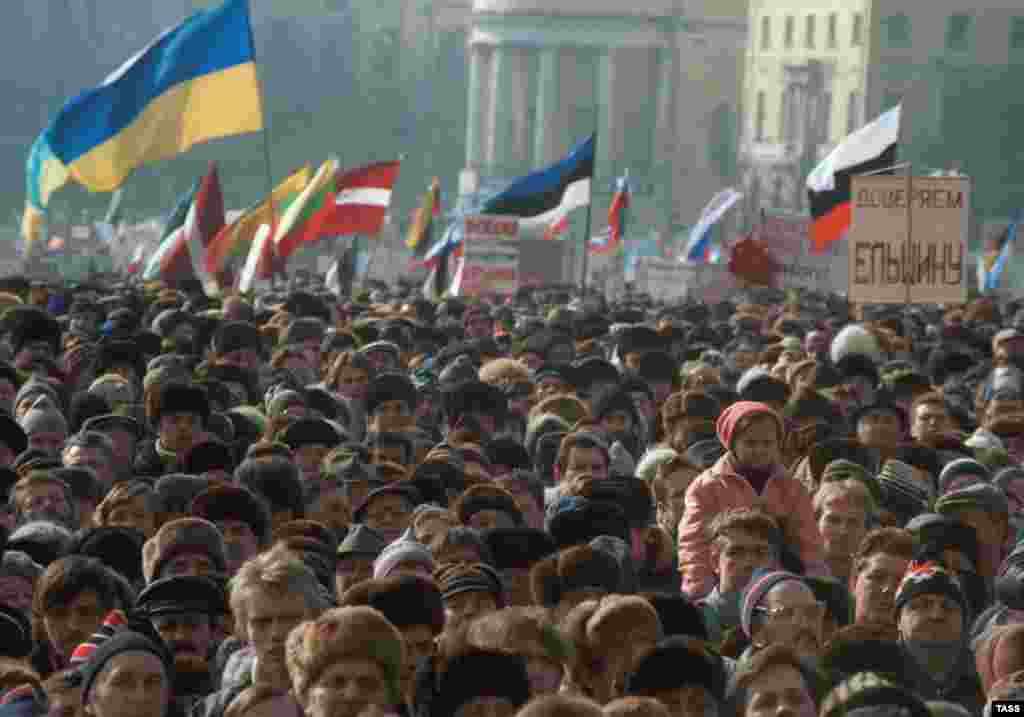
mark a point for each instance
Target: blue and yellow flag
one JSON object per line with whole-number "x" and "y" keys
{"x": 195, "y": 82}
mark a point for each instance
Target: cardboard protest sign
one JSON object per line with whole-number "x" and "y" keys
{"x": 908, "y": 240}
{"x": 787, "y": 237}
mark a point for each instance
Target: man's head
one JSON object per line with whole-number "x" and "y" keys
{"x": 182, "y": 412}
{"x": 843, "y": 510}
{"x": 930, "y": 419}
{"x": 775, "y": 681}
{"x": 880, "y": 426}
{"x": 930, "y": 605}
{"x": 581, "y": 454}
{"x": 45, "y": 426}
{"x": 42, "y": 496}
{"x": 682, "y": 675}
{"x": 879, "y": 566}
{"x": 743, "y": 540}
{"x": 780, "y": 609}
{"x": 187, "y": 546}
{"x": 91, "y": 450}
{"x": 671, "y": 481}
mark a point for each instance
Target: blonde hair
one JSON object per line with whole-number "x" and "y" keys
{"x": 277, "y": 571}
{"x": 636, "y": 707}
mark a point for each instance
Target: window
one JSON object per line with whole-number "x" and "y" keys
{"x": 833, "y": 21}
{"x": 790, "y": 30}
{"x": 897, "y": 31}
{"x": 766, "y": 33}
{"x": 958, "y": 32}
{"x": 759, "y": 122}
{"x": 853, "y": 113}
{"x": 857, "y": 34}
{"x": 1017, "y": 33}
{"x": 809, "y": 32}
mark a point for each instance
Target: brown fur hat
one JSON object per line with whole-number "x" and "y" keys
{"x": 486, "y": 496}
{"x": 574, "y": 568}
{"x": 405, "y": 600}
{"x": 528, "y": 631}
{"x": 345, "y": 632}
{"x": 182, "y": 536}
{"x": 636, "y": 707}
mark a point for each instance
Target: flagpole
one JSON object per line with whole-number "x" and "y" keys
{"x": 586, "y": 228}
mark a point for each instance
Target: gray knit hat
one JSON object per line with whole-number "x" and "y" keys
{"x": 44, "y": 417}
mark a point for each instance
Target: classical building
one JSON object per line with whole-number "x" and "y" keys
{"x": 658, "y": 85}
{"x": 803, "y": 91}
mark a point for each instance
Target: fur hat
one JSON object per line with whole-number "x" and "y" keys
{"x": 235, "y": 336}
{"x": 44, "y": 417}
{"x": 482, "y": 497}
{"x": 679, "y": 616}
{"x": 573, "y": 520}
{"x": 405, "y": 600}
{"x": 855, "y": 340}
{"x": 346, "y": 632}
{"x": 182, "y": 536}
{"x": 226, "y": 501}
{"x": 182, "y": 398}
{"x": 518, "y": 548}
{"x": 306, "y": 431}
{"x": 478, "y": 673}
{"x": 116, "y": 547}
{"x": 42, "y": 540}
{"x": 867, "y": 689}
{"x": 582, "y": 567}
{"x": 390, "y": 387}
{"x": 677, "y": 662}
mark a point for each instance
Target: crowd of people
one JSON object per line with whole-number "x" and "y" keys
{"x": 545, "y": 505}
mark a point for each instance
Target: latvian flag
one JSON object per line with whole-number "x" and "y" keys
{"x": 540, "y": 199}
{"x": 359, "y": 200}
{"x": 870, "y": 149}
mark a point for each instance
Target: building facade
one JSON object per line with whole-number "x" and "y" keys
{"x": 804, "y": 90}
{"x": 658, "y": 85}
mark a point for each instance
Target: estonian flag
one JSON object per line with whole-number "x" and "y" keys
{"x": 540, "y": 198}
{"x": 869, "y": 149}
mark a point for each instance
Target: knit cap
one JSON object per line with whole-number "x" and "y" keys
{"x": 760, "y": 583}
{"x": 898, "y": 484}
{"x": 961, "y": 473}
{"x": 44, "y": 417}
{"x": 979, "y": 495}
{"x": 731, "y": 417}
{"x": 929, "y": 577}
{"x": 477, "y": 577}
{"x": 401, "y": 551}
{"x": 121, "y": 641}
{"x": 842, "y": 469}
{"x": 865, "y": 693}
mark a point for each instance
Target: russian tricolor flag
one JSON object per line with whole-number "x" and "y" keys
{"x": 698, "y": 248}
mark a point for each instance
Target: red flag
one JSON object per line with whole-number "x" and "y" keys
{"x": 208, "y": 209}
{"x": 358, "y": 201}
{"x": 751, "y": 261}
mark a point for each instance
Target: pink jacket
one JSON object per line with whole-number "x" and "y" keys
{"x": 719, "y": 489}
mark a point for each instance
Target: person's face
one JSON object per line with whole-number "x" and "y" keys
{"x": 388, "y": 453}
{"x": 124, "y": 448}
{"x": 7, "y": 394}
{"x": 419, "y": 645}
{"x": 132, "y": 684}
{"x": 551, "y": 386}
{"x": 392, "y": 416}
{"x": 779, "y": 691}
{"x": 269, "y": 617}
{"x": 240, "y": 543}
{"x": 17, "y": 592}
{"x": 133, "y": 513}
{"x": 617, "y": 422}
{"x": 931, "y": 422}
{"x": 931, "y": 617}
{"x": 189, "y": 636}
{"x": 347, "y": 688}
{"x": 687, "y": 701}
{"x": 65, "y": 702}
{"x": 670, "y": 511}
{"x": 69, "y": 625}
{"x": 389, "y": 515}
{"x": 842, "y": 525}
{"x": 352, "y": 570}
{"x": 247, "y": 359}
{"x": 44, "y": 500}
{"x": 94, "y": 459}
{"x": 739, "y": 554}
{"x": 1000, "y": 408}
{"x": 879, "y": 429}
{"x": 463, "y": 607}
{"x": 792, "y": 617}
{"x": 48, "y": 442}
{"x": 758, "y": 445}
{"x": 308, "y": 458}
{"x": 179, "y": 430}
{"x": 583, "y": 460}
{"x": 874, "y": 588}
{"x": 189, "y": 564}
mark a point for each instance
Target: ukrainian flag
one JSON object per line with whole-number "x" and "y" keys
{"x": 195, "y": 82}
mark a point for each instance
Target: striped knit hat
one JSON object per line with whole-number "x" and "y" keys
{"x": 760, "y": 583}
{"x": 114, "y": 620}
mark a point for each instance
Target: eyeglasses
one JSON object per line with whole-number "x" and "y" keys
{"x": 793, "y": 613}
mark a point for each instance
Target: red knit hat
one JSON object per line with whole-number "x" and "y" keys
{"x": 731, "y": 417}
{"x": 114, "y": 620}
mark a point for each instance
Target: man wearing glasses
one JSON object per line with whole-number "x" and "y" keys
{"x": 780, "y": 609}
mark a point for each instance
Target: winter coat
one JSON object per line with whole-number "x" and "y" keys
{"x": 722, "y": 488}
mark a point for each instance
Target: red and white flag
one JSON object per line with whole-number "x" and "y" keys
{"x": 359, "y": 200}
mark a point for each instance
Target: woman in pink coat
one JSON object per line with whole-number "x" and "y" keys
{"x": 750, "y": 474}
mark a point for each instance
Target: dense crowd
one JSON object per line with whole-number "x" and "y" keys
{"x": 548, "y": 505}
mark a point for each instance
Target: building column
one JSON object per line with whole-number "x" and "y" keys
{"x": 517, "y": 103}
{"x": 545, "y": 139}
{"x": 606, "y": 108}
{"x": 497, "y": 120}
{"x": 664, "y": 95}
{"x": 474, "y": 106}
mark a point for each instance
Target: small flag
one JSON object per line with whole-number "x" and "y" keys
{"x": 618, "y": 210}
{"x": 450, "y": 245}
{"x": 998, "y": 255}
{"x": 557, "y": 228}
{"x": 186, "y": 258}
{"x": 698, "y": 248}
{"x": 542, "y": 197}
{"x": 251, "y": 270}
{"x": 359, "y": 201}
{"x": 171, "y": 234}
{"x": 292, "y": 230}
{"x": 870, "y": 149}
{"x": 422, "y": 228}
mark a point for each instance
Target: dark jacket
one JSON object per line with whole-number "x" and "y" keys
{"x": 963, "y": 687}
{"x": 148, "y": 463}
